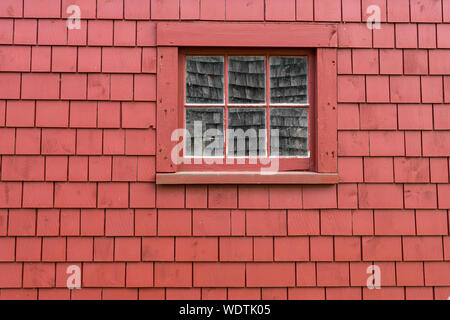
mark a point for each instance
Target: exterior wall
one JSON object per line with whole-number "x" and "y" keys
{"x": 77, "y": 149}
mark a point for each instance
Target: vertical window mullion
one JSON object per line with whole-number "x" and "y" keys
{"x": 267, "y": 105}
{"x": 225, "y": 108}
{"x": 185, "y": 151}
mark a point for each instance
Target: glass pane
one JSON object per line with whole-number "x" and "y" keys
{"x": 204, "y": 80}
{"x": 289, "y": 132}
{"x": 288, "y": 80}
{"x": 246, "y": 134}
{"x": 204, "y": 136}
{"x": 246, "y": 80}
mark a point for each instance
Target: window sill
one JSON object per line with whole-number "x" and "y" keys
{"x": 298, "y": 177}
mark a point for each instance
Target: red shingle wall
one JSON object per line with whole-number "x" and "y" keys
{"x": 77, "y": 149}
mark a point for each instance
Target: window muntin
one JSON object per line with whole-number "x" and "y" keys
{"x": 275, "y": 87}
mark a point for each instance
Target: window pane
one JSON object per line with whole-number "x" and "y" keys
{"x": 288, "y": 80}
{"x": 204, "y": 80}
{"x": 247, "y": 80}
{"x": 289, "y": 132}
{"x": 204, "y": 132}
{"x": 246, "y": 134}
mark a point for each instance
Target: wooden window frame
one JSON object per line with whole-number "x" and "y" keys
{"x": 284, "y": 163}
{"x": 173, "y": 38}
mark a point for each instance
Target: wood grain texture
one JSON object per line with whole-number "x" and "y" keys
{"x": 217, "y": 34}
{"x": 326, "y": 111}
{"x": 167, "y": 107}
{"x": 246, "y": 178}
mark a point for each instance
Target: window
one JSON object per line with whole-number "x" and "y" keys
{"x": 216, "y": 97}
{"x": 245, "y": 108}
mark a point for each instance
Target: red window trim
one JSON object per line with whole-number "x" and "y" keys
{"x": 285, "y": 163}
{"x": 176, "y": 35}
{"x": 287, "y": 177}
{"x": 249, "y": 35}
